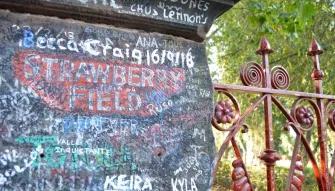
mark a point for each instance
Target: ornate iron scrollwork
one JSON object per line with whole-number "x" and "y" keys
{"x": 308, "y": 111}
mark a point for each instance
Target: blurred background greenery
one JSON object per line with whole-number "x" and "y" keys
{"x": 289, "y": 25}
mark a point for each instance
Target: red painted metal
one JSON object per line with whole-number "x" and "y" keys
{"x": 240, "y": 180}
{"x": 298, "y": 175}
{"x": 270, "y": 84}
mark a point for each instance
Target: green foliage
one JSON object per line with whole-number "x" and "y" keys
{"x": 289, "y": 26}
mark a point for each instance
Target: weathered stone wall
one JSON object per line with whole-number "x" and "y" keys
{"x": 187, "y": 18}
{"x": 92, "y": 107}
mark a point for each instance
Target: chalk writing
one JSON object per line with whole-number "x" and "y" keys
{"x": 92, "y": 159}
{"x": 183, "y": 184}
{"x": 37, "y": 140}
{"x": 93, "y": 107}
{"x": 107, "y": 47}
{"x": 13, "y": 157}
{"x": 125, "y": 182}
{"x": 98, "y": 124}
{"x": 181, "y": 11}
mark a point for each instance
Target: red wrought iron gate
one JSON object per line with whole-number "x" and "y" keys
{"x": 270, "y": 85}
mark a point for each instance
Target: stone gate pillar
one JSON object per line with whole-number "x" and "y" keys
{"x": 106, "y": 94}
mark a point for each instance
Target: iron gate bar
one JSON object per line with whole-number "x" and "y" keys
{"x": 256, "y": 90}
{"x": 239, "y": 156}
{"x": 317, "y": 76}
{"x": 299, "y": 133}
{"x": 294, "y": 159}
{"x": 269, "y": 155}
{"x": 259, "y": 79}
{"x": 331, "y": 173}
{"x": 232, "y": 132}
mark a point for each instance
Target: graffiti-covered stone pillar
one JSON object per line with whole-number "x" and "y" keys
{"x": 106, "y": 94}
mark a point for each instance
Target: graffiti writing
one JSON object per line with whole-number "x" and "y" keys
{"x": 94, "y": 86}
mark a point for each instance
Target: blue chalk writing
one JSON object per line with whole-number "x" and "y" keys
{"x": 28, "y": 39}
{"x": 156, "y": 97}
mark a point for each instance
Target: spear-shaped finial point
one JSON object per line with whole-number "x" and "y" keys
{"x": 264, "y": 47}
{"x": 314, "y": 48}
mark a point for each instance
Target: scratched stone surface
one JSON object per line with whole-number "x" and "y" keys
{"x": 186, "y": 12}
{"x": 187, "y": 18}
{"x": 94, "y": 107}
